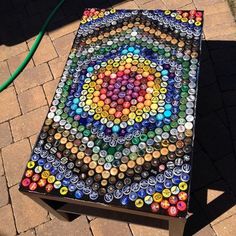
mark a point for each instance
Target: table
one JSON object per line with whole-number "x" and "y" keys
{"x": 117, "y": 140}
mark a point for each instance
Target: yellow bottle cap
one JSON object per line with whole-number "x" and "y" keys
{"x": 63, "y": 190}
{"x": 139, "y": 203}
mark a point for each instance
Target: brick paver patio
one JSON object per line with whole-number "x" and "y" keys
{"x": 25, "y": 103}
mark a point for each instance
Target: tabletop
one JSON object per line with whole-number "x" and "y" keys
{"x": 120, "y": 129}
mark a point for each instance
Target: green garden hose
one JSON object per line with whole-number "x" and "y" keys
{"x": 6, "y": 83}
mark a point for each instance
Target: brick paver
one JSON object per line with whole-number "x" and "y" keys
{"x": 5, "y": 134}
{"x": 15, "y": 61}
{"x": 9, "y": 105}
{"x": 57, "y": 65}
{"x": 202, "y": 4}
{"x": 216, "y": 32}
{"x": 32, "y": 77}
{"x": 176, "y": 4}
{"x": 49, "y": 89}
{"x": 45, "y": 51}
{"x": 206, "y": 231}
{"x": 90, "y": 218}
{"x": 28, "y": 124}
{"x": 142, "y": 2}
{"x": 7, "y": 221}
{"x": 1, "y": 166}
{"x": 226, "y": 227}
{"x": 7, "y": 52}
{"x": 57, "y": 33}
{"x": 27, "y": 213}
{"x": 101, "y": 227}
{"x": 24, "y": 107}
{"x": 189, "y": 6}
{"x": 127, "y": 5}
{"x": 4, "y": 71}
{"x": 30, "y": 232}
{"x": 63, "y": 44}
{"x": 3, "y": 191}
{"x": 153, "y": 4}
{"x": 79, "y": 226}
{"x": 33, "y": 139}
{"x": 14, "y": 159}
{"x": 218, "y": 19}
{"x": 220, "y": 7}
{"x": 32, "y": 99}
{"x": 139, "y": 230}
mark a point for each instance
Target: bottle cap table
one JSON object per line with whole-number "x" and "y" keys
{"x": 117, "y": 140}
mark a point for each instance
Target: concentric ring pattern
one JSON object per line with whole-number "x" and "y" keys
{"x": 120, "y": 126}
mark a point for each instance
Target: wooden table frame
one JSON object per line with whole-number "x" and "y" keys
{"x": 68, "y": 209}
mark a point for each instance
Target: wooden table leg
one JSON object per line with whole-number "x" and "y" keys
{"x": 176, "y": 227}
{"x": 51, "y": 207}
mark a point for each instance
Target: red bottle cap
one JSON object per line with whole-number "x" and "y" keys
{"x": 25, "y": 182}
{"x": 33, "y": 186}
{"x": 172, "y": 211}
{"x": 173, "y": 200}
{"x": 182, "y": 196}
{"x": 155, "y": 207}
{"x": 165, "y": 204}
{"x": 181, "y": 205}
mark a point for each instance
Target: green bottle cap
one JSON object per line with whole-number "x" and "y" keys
{"x": 86, "y": 132}
{"x": 143, "y": 137}
{"x": 75, "y": 124}
{"x": 133, "y": 156}
{"x": 111, "y": 150}
{"x": 182, "y": 114}
{"x": 64, "y": 116}
{"x": 184, "y": 94}
{"x": 155, "y": 49}
{"x": 109, "y": 158}
{"x": 69, "y": 120}
{"x": 81, "y": 128}
{"x": 61, "y": 105}
{"x": 184, "y": 88}
{"x": 173, "y": 124}
{"x": 151, "y": 134}
{"x": 135, "y": 140}
{"x": 182, "y": 107}
{"x": 166, "y": 128}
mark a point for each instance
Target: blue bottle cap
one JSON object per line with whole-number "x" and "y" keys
{"x": 118, "y": 194}
{"x": 47, "y": 166}
{"x": 167, "y": 113}
{"x": 133, "y": 196}
{"x": 142, "y": 193}
{"x": 79, "y": 194}
{"x": 124, "y": 200}
{"x": 93, "y": 195}
{"x": 176, "y": 179}
{"x": 185, "y": 177}
{"x": 160, "y": 178}
{"x": 80, "y": 185}
{"x": 59, "y": 176}
{"x": 135, "y": 187}
{"x": 72, "y": 187}
{"x": 41, "y": 162}
{"x": 168, "y": 183}
{"x": 87, "y": 190}
{"x": 143, "y": 183}
{"x": 35, "y": 157}
{"x": 150, "y": 190}
{"x": 159, "y": 187}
